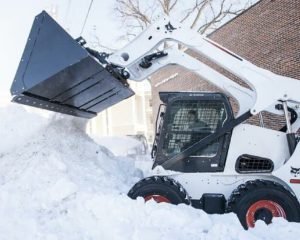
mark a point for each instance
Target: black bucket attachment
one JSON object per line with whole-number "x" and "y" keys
{"x": 56, "y": 73}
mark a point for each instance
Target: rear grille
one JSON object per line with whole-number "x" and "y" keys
{"x": 253, "y": 164}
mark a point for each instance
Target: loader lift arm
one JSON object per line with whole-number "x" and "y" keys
{"x": 267, "y": 88}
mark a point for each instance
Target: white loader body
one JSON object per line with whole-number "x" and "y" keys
{"x": 246, "y": 139}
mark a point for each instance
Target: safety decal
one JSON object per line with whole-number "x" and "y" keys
{"x": 296, "y": 174}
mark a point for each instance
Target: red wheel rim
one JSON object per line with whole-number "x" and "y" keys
{"x": 273, "y": 207}
{"x": 157, "y": 198}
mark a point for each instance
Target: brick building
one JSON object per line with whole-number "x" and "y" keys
{"x": 267, "y": 34}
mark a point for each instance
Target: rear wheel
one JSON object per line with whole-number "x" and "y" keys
{"x": 263, "y": 200}
{"x": 160, "y": 189}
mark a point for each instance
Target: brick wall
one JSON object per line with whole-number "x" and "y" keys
{"x": 267, "y": 34}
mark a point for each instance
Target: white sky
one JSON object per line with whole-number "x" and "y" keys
{"x": 16, "y": 17}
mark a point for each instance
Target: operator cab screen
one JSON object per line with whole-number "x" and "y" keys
{"x": 190, "y": 121}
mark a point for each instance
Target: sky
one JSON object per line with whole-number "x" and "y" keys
{"x": 16, "y": 17}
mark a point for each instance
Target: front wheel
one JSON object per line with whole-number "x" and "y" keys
{"x": 160, "y": 189}
{"x": 263, "y": 200}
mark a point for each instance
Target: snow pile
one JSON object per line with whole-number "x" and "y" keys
{"x": 57, "y": 183}
{"x": 128, "y": 147}
{"x": 16, "y": 126}
{"x": 120, "y": 146}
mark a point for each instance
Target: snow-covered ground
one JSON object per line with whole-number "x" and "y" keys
{"x": 56, "y": 183}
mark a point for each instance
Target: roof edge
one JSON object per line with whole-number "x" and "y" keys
{"x": 232, "y": 19}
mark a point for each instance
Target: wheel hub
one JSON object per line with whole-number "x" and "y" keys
{"x": 264, "y": 215}
{"x": 263, "y": 210}
{"x": 157, "y": 198}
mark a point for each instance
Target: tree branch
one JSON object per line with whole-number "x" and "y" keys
{"x": 200, "y": 10}
{"x": 218, "y": 17}
{"x": 136, "y": 15}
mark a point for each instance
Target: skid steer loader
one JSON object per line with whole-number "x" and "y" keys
{"x": 211, "y": 158}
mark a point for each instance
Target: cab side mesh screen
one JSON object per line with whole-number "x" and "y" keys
{"x": 190, "y": 121}
{"x": 253, "y": 164}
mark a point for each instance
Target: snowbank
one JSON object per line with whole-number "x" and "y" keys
{"x": 57, "y": 183}
{"x": 120, "y": 146}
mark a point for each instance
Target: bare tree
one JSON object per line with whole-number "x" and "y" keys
{"x": 201, "y": 15}
{"x": 96, "y": 42}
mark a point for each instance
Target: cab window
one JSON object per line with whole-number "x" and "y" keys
{"x": 189, "y": 122}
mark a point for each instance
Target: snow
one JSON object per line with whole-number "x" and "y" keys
{"x": 57, "y": 183}
{"x": 119, "y": 145}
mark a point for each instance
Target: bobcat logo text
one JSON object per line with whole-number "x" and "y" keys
{"x": 295, "y": 171}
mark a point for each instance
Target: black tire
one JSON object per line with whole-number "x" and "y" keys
{"x": 164, "y": 187}
{"x": 262, "y": 199}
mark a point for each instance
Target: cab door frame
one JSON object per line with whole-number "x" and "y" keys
{"x": 184, "y": 161}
